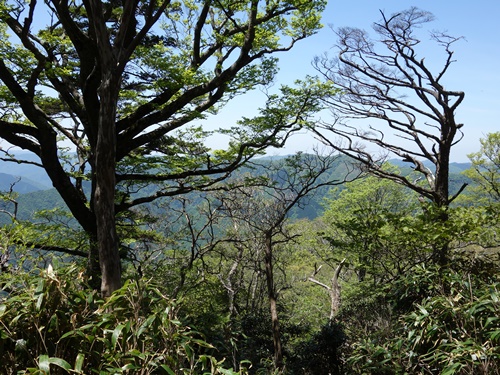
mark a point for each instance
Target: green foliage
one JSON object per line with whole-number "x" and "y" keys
{"x": 403, "y": 315}
{"x": 377, "y": 226}
{"x": 453, "y": 329}
{"x": 485, "y": 170}
{"x": 52, "y": 322}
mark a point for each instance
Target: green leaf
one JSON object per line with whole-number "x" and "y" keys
{"x": 146, "y": 324}
{"x": 116, "y": 334}
{"x": 129, "y": 366}
{"x": 79, "y": 362}
{"x": 60, "y": 362}
{"x": 490, "y": 320}
{"x": 494, "y": 335}
{"x": 451, "y": 369}
{"x": 43, "y": 363}
{"x": 39, "y": 292}
{"x": 227, "y": 371}
{"x": 167, "y": 369}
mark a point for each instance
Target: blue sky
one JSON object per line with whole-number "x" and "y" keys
{"x": 476, "y": 71}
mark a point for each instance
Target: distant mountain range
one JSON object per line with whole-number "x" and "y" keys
{"x": 29, "y": 176}
{"x": 19, "y": 184}
{"x": 36, "y": 193}
{"x": 455, "y": 168}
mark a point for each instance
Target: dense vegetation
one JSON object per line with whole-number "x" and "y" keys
{"x": 196, "y": 298}
{"x": 160, "y": 255}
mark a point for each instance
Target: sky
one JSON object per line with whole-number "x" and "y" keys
{"x": 476, "y": 70}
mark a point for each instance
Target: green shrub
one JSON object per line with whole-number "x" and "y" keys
{"x": 454, "y": 330}
{"x": 321, "y": 354}
{"x": 52, "y": 322}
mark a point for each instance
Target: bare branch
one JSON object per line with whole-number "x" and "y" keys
{"x": 385, "y": 80}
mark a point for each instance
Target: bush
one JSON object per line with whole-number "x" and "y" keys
{"x": 454, "y": 330}
{"x": 321, "y": 354}
{"x": 53, "y": 322}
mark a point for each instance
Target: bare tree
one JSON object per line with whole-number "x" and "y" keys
{"x": 334, "y": 289}
{"x": 263, "y": 208}
{"x": 403, "y": 94}
{"x": 412, "y": 112}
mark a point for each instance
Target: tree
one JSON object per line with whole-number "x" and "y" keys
{"x": 485, "y": 169}
{"x": 260, "y": 212}
{"x": 334, "y": 289}
{"x": 483, "y": 197}
{"x": 376, "y": 225}
{"x": 123, "y": 83}
{"x": 398, "y": 90}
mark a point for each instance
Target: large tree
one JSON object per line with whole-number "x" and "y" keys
{"x": 404, "y": 100}
{"x": 122, "y": 83}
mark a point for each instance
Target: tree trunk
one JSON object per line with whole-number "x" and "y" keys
{"x": 334, "y": 291}
{"x": 93, "y": 268}
{"x": 442, "y": 192}
{"x": 268, "y": 259}
{"x": 335, "y": 295}
{"x": 105, "y": 166}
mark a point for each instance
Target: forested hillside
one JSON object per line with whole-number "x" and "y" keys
{"x": 140, "y": 249}
{"x": 21, "y": 185}
{"x": 34, "y": 197}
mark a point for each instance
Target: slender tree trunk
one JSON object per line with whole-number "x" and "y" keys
{"x": 231, "y": 285}
{"x": 268, "y": 259}
{"x": 442, "y": 195}
{"x": 93, "y": 268}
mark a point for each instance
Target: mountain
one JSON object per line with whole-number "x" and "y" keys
{"x": 28, "y": 171}
{"x": 457, "y": 178}
{"x": 36, "y": 195}
{"x": 19, "y": 184}
{"x": 455, "y": 168}
{"x": 459, "y": 167}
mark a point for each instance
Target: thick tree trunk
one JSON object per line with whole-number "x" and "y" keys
{"x": 278, "y": 352}
{"x": 104, "y": 204}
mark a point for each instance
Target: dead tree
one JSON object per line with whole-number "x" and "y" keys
{"x": 403, "y": 99}
{"x": 334, "y": 289}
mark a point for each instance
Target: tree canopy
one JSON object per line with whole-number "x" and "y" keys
{"x": 126, "y": 84}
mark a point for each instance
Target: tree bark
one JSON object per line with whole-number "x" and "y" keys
{"x": 335, "y": 295}
{"x": 105, "y": 153}
{"x": 334, "y": 291}
{"x": 268, "y": 260}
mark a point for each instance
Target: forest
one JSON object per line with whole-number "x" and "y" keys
{"x": 154, "y": 253}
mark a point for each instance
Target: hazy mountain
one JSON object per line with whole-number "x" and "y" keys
{"x": 36, "y": 194}
{"x": 19, "y": 184}
{"x": 454, "y": 167}
{"x": 28, "y": 172}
